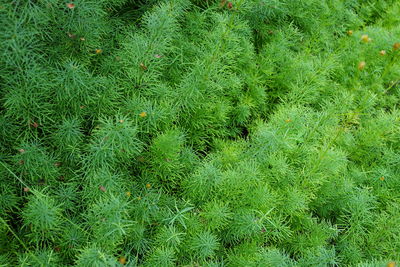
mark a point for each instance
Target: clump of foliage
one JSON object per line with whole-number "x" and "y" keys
{"x": 199, "y": 133}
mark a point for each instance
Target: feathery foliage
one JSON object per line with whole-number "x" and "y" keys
{"x": 199, "y": 133}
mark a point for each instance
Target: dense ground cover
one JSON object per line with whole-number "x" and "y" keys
{"x": 199, "y": 133}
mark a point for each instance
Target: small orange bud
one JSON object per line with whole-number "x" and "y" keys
{"x": 122, "y": 260}
{"x": 365, "y": 38}
{"x": 143, "y": 66}
{"x": 382, "y": 52}
{"x": 143, "y": 114}
{"x": 26, "y": 189}
{"x": 361, "y": 65}
{"x": 128, "y": 194}
{"x": 148, "y": 186}
{"x": 382, "y": 178}
{"x": 35, "y": 124}
{"x": 102, "y": 188}
{"x": 230, "y": 5}
{"x": 71, "y": 5}
{"x": 349, "y": 32}
{"x": 396, "y": 46}
{"x": 99, "y": 51}
{"x": 71, "y": 35}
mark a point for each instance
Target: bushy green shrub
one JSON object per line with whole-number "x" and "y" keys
{"x": 199, "y": 133}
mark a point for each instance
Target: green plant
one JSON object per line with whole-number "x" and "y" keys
{"x": 199, "y": 133}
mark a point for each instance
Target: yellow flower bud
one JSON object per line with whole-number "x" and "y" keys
{"x": 361, "y": 65}
{"x": 365, "y": 38}
{"x": 122, "y": 260}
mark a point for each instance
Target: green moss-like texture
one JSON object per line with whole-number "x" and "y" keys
{"x": 199, "y": 133}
